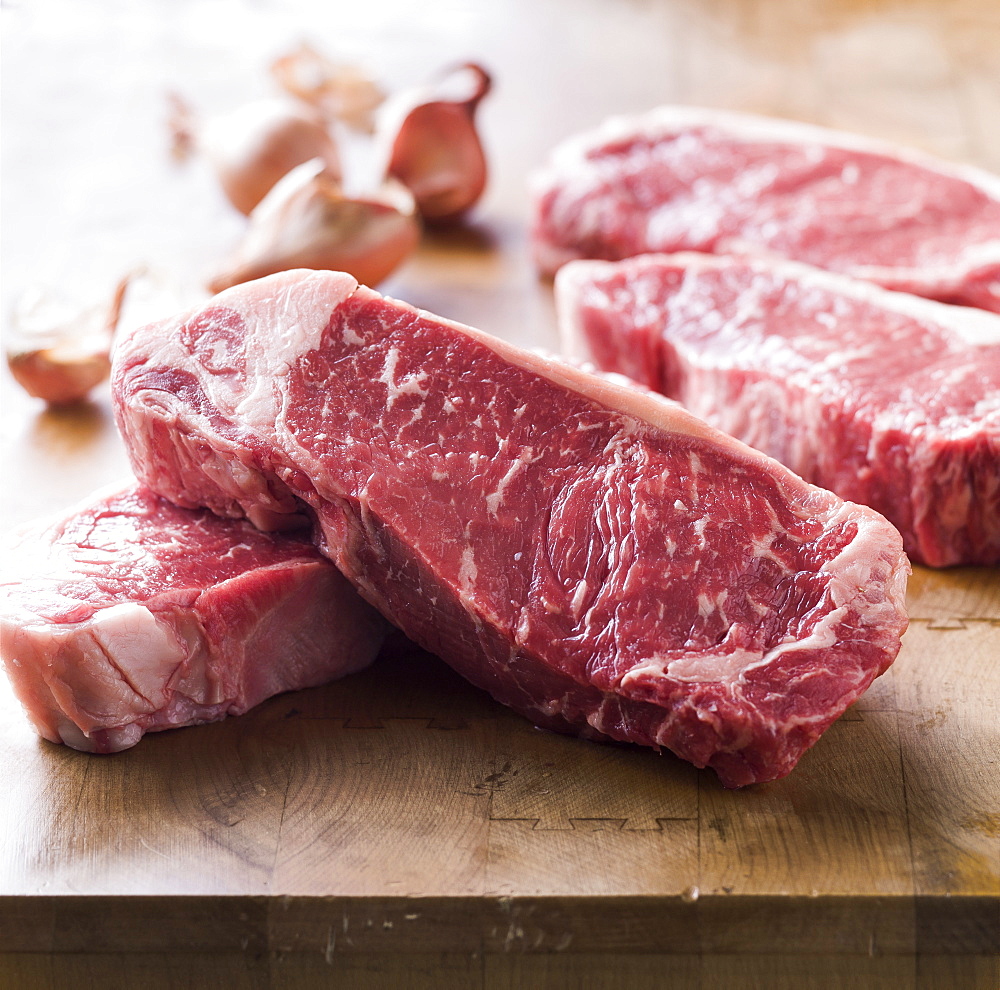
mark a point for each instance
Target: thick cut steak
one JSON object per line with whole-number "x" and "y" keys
{"x": 593, "y": 556}
{"x": 131, "y": 615}
{"x": 886, "y": 399}
{"x": 687, "y": 179}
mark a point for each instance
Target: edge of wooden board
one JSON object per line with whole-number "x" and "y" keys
{"x": 842, "y": 925}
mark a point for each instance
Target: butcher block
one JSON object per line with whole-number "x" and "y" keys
{"x": 399, "y": 827}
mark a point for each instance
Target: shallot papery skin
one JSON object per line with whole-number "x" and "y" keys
{"x": 338, "y": 91}
{"x": 254, "y": 146}
{"x": 60, "y": 355}
{"x": 307, "y": 222}
{"x": 434, "y": 147}
{"x": 182, "y": 125}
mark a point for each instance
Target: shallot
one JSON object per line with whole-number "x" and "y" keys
{"x": 432, "y": 144}
{"x": 306, "y": 221}
{"x": 59, "y": 353}
{"x": 257, "y": 144}
{"x": 338, "y": 91}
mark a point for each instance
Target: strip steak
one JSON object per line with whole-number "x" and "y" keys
{"x": 884, "y": 398}
{"x": 593, "y": 556}
{"x": 131, "y": 615}
{"x": 688, "y": 179}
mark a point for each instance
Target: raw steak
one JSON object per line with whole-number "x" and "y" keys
{"x": 886, "y": 399}
{"x": 131, "y": 615}
{"x": 683, "y": 178}
{"x": 594, "y": 557}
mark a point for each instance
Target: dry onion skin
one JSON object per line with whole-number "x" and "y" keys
{"x": 337, "y": 90}
{"x": 256, "y": 145}
{"x": 182, "y": 124}
{"x": 307, "y": 222}
{"x": 60, "y": 354}
{"x": 433, "y": 146}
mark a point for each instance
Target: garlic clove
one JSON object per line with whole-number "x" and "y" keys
{"x": 338, "y": 91}
{"x": 307, "y": 222}
{"x": 432, "y": 143}
{"x": 59, "y": 353}
{"x": 257, "y": 144}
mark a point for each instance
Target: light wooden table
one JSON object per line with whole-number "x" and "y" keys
{"x": 399, "y": 828}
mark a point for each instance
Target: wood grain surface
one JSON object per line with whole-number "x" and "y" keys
{"x": 399, "y": 828}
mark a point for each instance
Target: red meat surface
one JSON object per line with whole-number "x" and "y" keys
{"x": 688, "y": 179}
{"x": 886, "y": 399}
{"x": 131, "y": 615}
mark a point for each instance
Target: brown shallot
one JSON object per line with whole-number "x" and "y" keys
{"x": 59, "y": 353}
{"x": 307, "y": 222}
{"x": 257, "y": 144}
{"x": 338, "y": 91}
{"x": 432, "y": 145}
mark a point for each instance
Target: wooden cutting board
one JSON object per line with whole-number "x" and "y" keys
{"x": 399, "y": 827}
{"x": 401, "y": 818}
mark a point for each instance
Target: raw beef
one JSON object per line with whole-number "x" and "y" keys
{"x": 886, "y": 399}
{"x": 131, "y": 615}
{"x": 594, "y": 557}
{"x": 687, "y": 179}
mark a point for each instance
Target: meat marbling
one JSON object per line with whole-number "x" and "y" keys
{"x": 884, "y": 398}
{"x": 593, "y": 556}
{"x": 131, "y": 615}
{"x": 689, "y": 179}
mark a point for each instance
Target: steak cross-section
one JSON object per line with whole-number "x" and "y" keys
{"x": 884, "y": 398}
{"x": 130, "y": 615}
{"x": 593, "y": 556}
{"x": 690, "y": 179}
